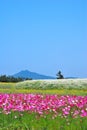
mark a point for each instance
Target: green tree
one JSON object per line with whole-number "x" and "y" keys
{"x": 59, "y": 75}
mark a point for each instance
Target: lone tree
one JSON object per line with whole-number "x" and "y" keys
{"x": 59, "y": 75}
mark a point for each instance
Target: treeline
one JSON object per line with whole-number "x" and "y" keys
{"x": 4, "y": 78}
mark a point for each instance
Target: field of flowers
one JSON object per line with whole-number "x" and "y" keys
{"x": 44, "y": 105}
{"x": 42, "y": 112}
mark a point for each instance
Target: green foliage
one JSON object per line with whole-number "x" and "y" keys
{"x": 32, "y": 121}
{"x": 4, "y": 78}
{"x": 59, "y": 75}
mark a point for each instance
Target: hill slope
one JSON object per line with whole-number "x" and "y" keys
{"x": 68, "y": 84}
{"x": 32, "y": 75}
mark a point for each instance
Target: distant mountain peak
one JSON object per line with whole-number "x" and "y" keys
{"x": 24, "y": 71}
{"x": 32, "y": 75}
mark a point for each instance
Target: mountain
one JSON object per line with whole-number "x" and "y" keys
{"x": 71, "y": 77}
{"x": 32, "y": 75}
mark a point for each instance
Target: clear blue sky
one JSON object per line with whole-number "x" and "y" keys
{"x": 43, "y": 36}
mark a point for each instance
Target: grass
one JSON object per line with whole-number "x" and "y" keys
{"x": 54, "y": 84}
{"x": 48, "y": 91}
{"x": 60, "y": 87}
{"x": 32, "y": 121}
{"x": 4, "y": 85}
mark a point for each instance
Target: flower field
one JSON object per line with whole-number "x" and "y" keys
{"x": 44, "y": 105}
{"x": 42, "y": 112}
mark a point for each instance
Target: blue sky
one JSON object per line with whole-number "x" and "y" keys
{"x": 43, "y": 36}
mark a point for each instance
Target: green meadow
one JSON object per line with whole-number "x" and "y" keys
{"x": 15, "y": 121}
{"x": 60, "y": 87}
{"x": 32, "y": 121}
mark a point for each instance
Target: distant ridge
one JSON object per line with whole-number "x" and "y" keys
{"x": 71, "y": 78}
{"x": 32, "y": 75}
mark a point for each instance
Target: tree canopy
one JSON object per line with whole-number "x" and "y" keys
{"x": 59, "y": 75}
{"x": 4, "y": 78}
